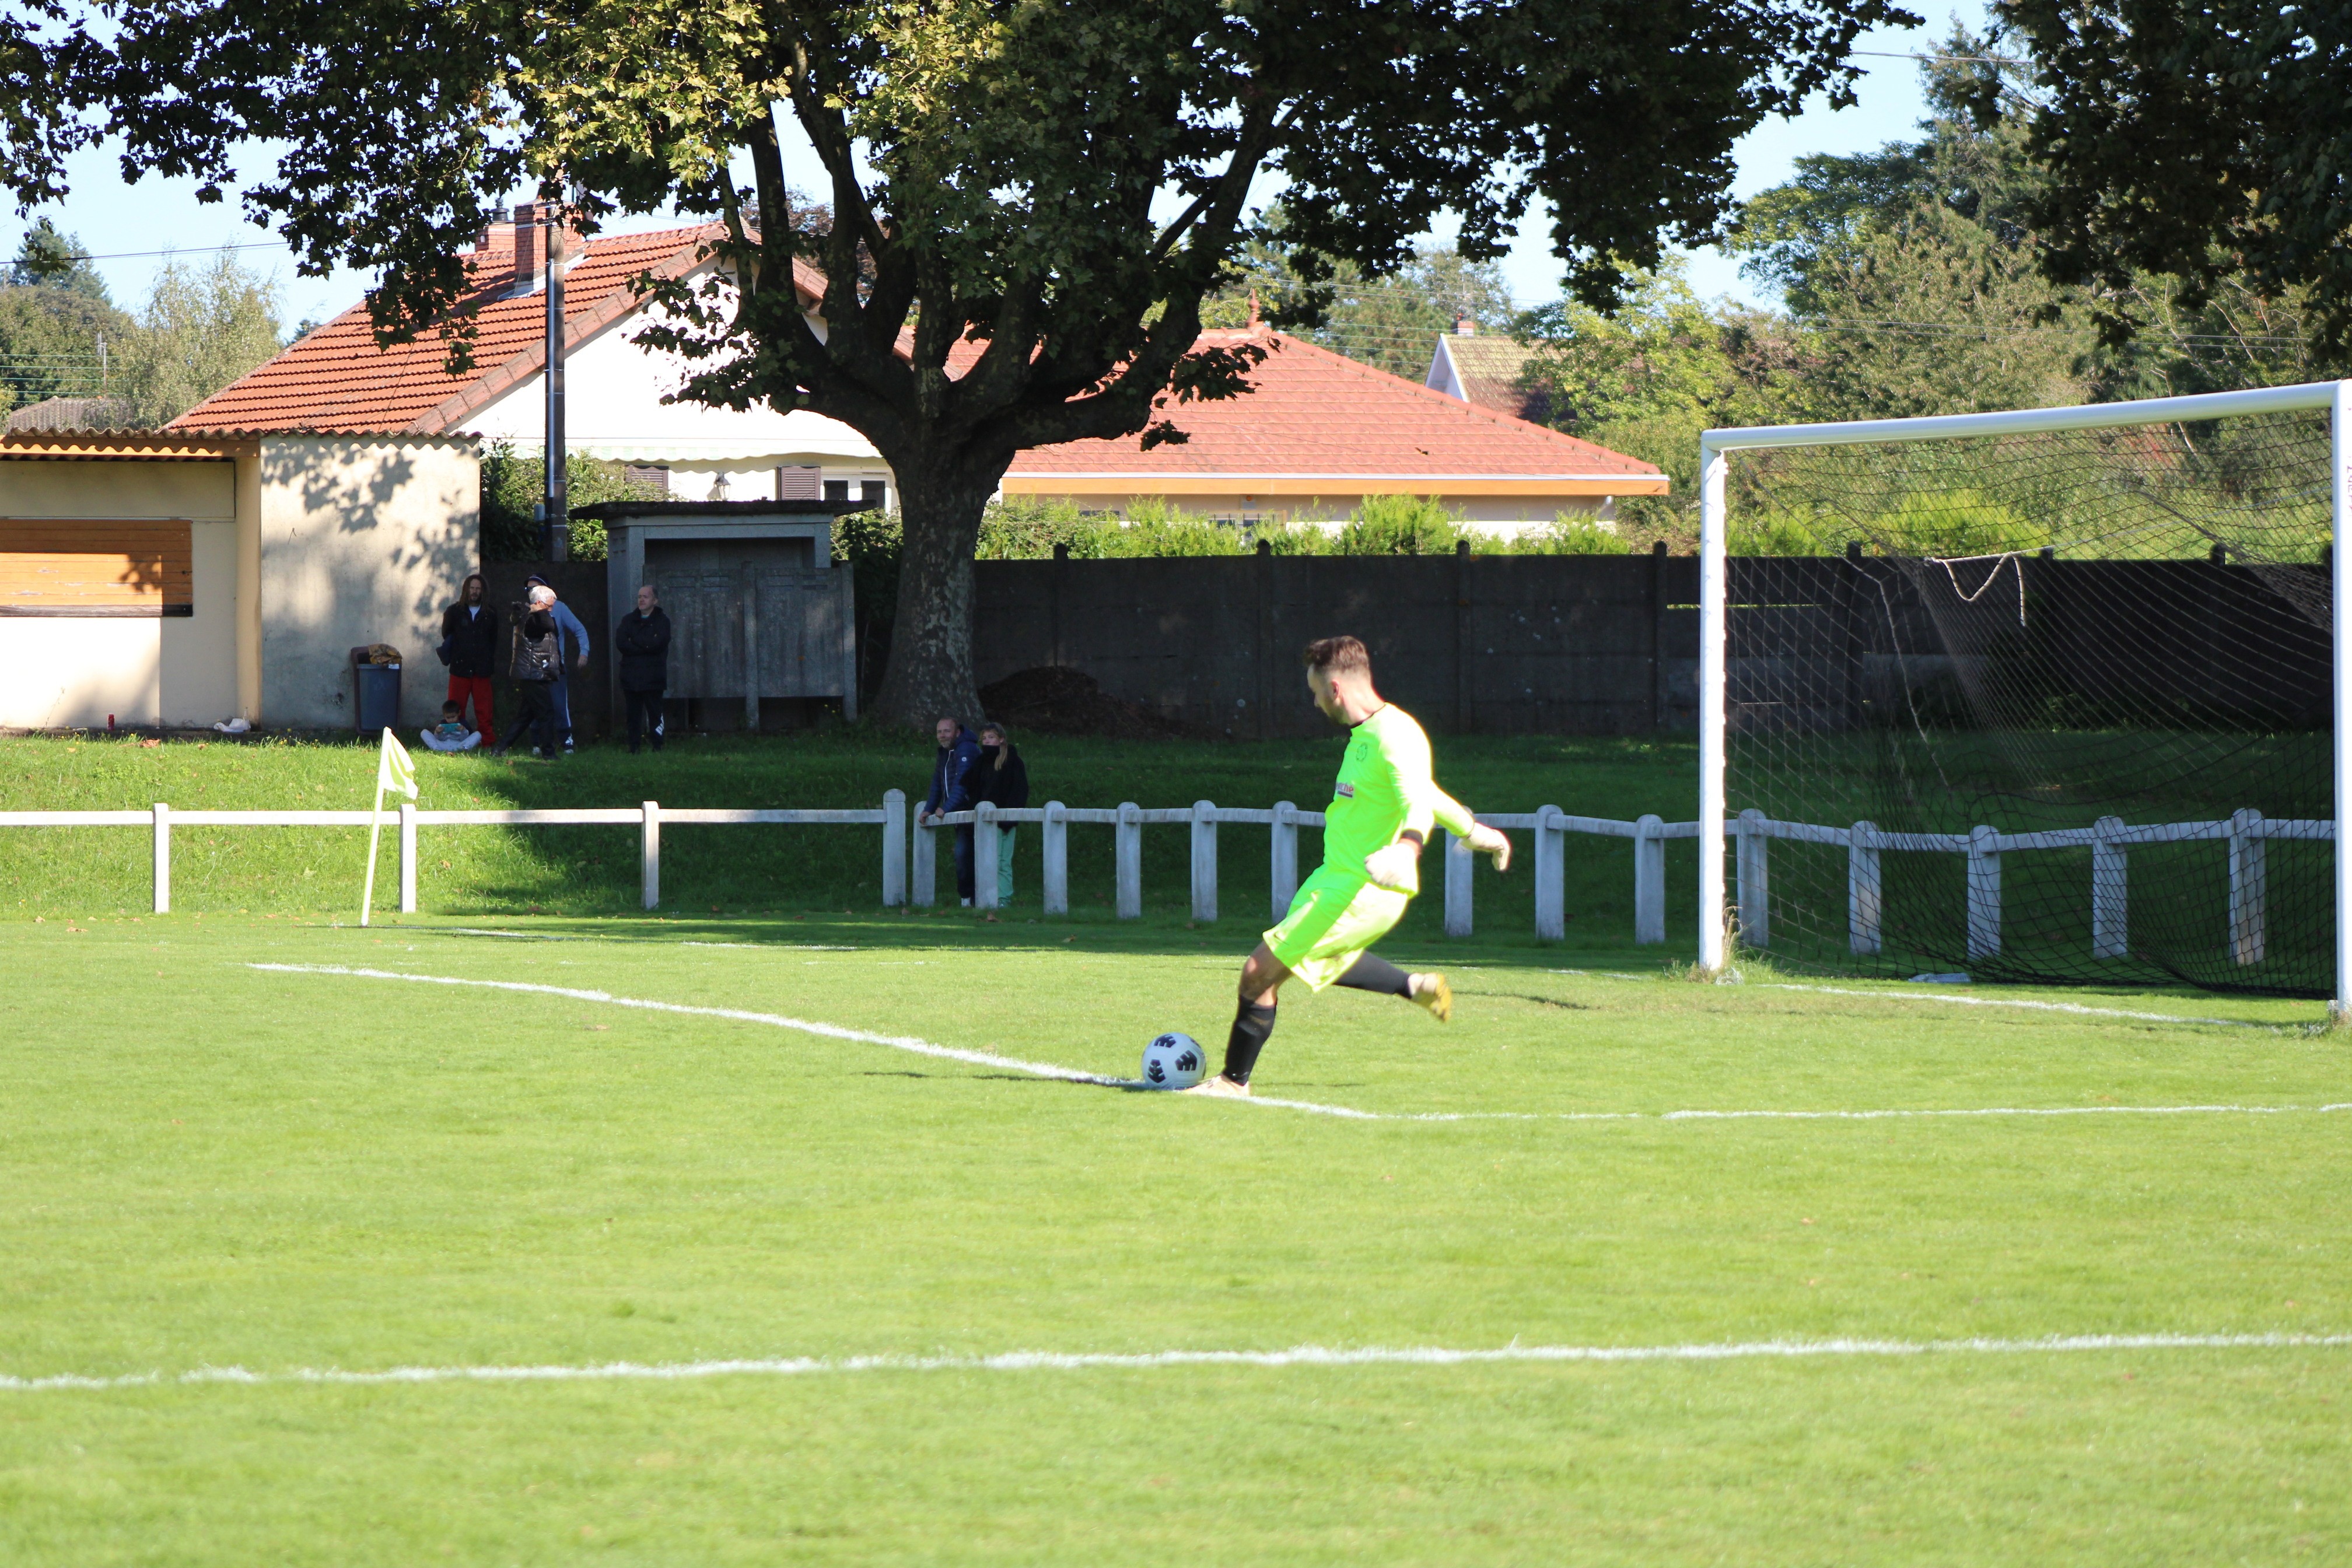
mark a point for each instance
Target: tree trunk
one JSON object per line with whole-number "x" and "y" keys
{"x": 930, "y": 674}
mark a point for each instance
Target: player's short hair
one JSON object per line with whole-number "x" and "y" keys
{"x": 1338, "y": 655}
{"x": 542, "y": 595}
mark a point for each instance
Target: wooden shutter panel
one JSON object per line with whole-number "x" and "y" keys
{"x": 78, "y": 567}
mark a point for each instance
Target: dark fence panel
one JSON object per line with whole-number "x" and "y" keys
{"x": 1501, "y": 645}
{"x": 1605, "y": 645}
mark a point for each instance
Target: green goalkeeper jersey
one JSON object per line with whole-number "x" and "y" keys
{"x": 1384, "y": 788}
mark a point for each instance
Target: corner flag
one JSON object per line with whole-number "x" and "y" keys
{"x": 394, "y": 770}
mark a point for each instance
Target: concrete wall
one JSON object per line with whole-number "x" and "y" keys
{"x": 64, "y": 672}
{"x": 361, "y": 542}
{"x": 1506, "y": 645}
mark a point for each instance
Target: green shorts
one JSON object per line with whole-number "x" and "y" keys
{"x": 1331, "y": 921}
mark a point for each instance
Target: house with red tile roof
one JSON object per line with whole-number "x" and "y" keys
{"x": 1488, "y": 371}
{"x": 1317, "y": 435}
{"x": 336, "y": 380}
{"x": 1319, "y": 432}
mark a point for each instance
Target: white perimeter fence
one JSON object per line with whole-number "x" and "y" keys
{"x": 914, "y": 877}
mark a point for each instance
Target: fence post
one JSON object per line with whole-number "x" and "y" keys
{"x": 649, "y": 854}
{"x": 2248, "y": 886}
{"x": 1551, "y": 871}
{"x": 1126, "y": 857}
{"x": 2110, "y": 890}
{"x": 926, "y": 857}
{"x": 983, "y": 856}
{"x": 162, "y": 859}
{"x": 408, "y": 857}
{"x": 1204, "y": 860}
{"x": 1649, "y": 881}
{"x": 894, "y": 849}
{"x": 1984, "y": 892}
{"x": 1055, "y": 853}
{"x": 1864, "y": 892}
{"x": 1755, "y": 873}
{"x": 1455, "y": 857}
{"x": 1284, "y": 857}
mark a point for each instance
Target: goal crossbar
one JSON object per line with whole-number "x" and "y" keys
{"x": 1715, "y": 446}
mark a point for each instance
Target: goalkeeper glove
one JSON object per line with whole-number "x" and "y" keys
{"x": 1394, "y": 868}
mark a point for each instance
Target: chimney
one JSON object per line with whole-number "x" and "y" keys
{"x": 1464, "y": 326}
{"x": 533, "y": 231}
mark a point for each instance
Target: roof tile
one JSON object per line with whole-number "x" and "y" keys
{"x": 1311, "y": 412}
{"x": 336, "y": 379}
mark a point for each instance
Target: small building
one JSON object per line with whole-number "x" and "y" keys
{"x": 166, "y": 579}
{"x": 336, "y": 378}
{"x": 1488, "y": 371}
{"x": 1319, "y": 433}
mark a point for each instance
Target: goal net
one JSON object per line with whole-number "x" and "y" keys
{"x": 2031, "y": 703}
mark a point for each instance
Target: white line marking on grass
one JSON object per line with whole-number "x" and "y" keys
{"x": 770, "y": 946}
{"x": 828, "y": 1031}
{"x": 2021, "y": 1001}
{"x": 1313, "y": 1108}
{"x": 1299, "y": 1356}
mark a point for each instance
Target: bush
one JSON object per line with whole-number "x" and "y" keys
{"x": 1399, "y": 525}
{"x": 1569, "y": 533}
{"x": 512, "y": 484}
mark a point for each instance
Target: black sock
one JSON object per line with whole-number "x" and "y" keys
{"x": 1252, "y": 1021}
{"x": 1369, "y": 974}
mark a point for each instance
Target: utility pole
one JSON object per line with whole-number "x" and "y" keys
{"x": 555, "y": 511}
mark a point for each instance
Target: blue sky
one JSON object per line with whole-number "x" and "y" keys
{"x": 115, "y": 220}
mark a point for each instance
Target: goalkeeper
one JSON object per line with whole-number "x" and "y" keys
{"x": 1373, "y": 832}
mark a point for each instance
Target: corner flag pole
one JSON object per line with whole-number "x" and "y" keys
{"x": 394, "y": 770}
{"x": 375, "y": 837}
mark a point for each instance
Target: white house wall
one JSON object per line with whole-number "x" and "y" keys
{"x": 361, "y": 542}
{"x": 613, "y": 408}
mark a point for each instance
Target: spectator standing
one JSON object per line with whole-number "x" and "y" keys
{"x": 953, "y": 774}
{"x": 469, "y": 636}
{"x": 643, "y": 637}
{"x": 538, "y": 659}
{"x": 572, "y": 635}
{"x": 1004, "y": 784}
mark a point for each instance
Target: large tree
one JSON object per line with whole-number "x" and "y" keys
{"x": 1030, "y": 198}
{"x": 2210, "y": 140}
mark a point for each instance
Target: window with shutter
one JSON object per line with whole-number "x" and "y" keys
{"x": 92, "y": 567}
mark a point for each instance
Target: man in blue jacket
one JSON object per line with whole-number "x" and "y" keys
{"x": 569, "y": 632}
{"x": 953, "y": 777}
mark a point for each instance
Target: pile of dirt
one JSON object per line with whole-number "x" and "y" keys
{"x": 1053, "y": 701}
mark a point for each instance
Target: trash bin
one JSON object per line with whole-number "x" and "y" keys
{"x": 375, "y": 692}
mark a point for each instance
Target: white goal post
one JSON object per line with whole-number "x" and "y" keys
{"x": 2334, "y": 397}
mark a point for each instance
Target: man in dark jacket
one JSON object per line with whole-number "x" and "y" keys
{"x": 1004, "y": 784}
{"x": 643, "y": 640}
{"x": 469, "y": 632}
{"x": 953, "y": 774}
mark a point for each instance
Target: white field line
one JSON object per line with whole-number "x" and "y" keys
{"x": 1300, "y": 1356}
{"x": 1964, "y": 1001}
{"x": 2021, "y": 1001}
{"x": 1072, "y": 1075}
{"x": 777, "y": 1020}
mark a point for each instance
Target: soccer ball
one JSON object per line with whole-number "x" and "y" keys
{"x": 1172, "y": 1061}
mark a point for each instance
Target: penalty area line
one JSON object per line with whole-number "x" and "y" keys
{"x": 1313, "y": 1108}
{"x": 1297, "y": 1355}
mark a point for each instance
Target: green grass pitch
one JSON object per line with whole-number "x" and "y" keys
{"x": 209, "y": 1165}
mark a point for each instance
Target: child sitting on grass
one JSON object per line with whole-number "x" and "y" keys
{"x": 451, "y": 734}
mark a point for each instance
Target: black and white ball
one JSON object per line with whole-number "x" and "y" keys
{"x": 1173, "y": 1061}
